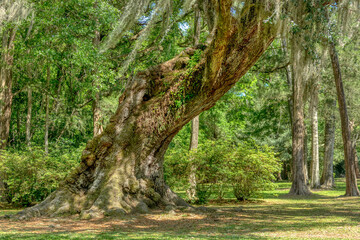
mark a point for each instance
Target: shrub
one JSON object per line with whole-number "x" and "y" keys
{"x": 203, "y": 193}
{"x": 251, "y": 169}
{"x": 29, "y": 176}
{"x": 247, "y": 167}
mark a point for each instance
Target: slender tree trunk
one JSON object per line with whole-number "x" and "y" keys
{"x": 306, "y": 167}
{"x": 349, "y": 151}
{"x": 289, "y": 80}
{"x": 193, "y": 146}
{"x": 327, "y": 179}
{"x": 122, "y": 169}
{"x": 97, "y": 126}
{"x": 315, "y": 175}
{"x": 47, "y": 121}
{"x": 194, "y": 141}
{"x": 28, "y": 117}
{"x": 357, "y": 172}
{"x": 290, "y": 104}
{"x": 6, "y": 95}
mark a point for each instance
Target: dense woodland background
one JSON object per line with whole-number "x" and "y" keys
{"x": 64, "y": 90}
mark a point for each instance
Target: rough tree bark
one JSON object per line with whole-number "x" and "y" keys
{"x": 315, "y": 175}
{"x": 300, "y": 73}
{"x": 122, "y": 169}
{"x": 327, "y": 178}
{"x": 194, "y": 141}
{"x": 349, "y": 151}
{"x": 298, "y": 186}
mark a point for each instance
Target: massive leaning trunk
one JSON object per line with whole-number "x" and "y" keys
{"x": 122, "y": 168}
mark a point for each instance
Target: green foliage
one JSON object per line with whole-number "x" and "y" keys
{"x": 194, "y": 60}
{"x": 248, "y": 168}
{"x": 30, "y": 175}
{"x": 203, "y": 193}
{"x": 251, "y": 170}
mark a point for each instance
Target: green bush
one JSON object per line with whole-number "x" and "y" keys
{"x": 203, "y": 193}
{"x": 247, "y": 167}
{"x": 29, "y": 176}
{"x": 251, "y": 170}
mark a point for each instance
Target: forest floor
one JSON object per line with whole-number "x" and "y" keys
{"x": 323, "y": 215}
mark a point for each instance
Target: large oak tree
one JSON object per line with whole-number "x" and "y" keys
{"x": 122, "y": 168}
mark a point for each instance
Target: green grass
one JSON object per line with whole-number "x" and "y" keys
{"x": 323, "y": 215}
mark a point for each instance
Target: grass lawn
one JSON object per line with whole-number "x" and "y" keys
{"x": 323, "y": 215}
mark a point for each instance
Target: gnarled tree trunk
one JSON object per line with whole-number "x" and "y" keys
{"x": 122, "y": 168}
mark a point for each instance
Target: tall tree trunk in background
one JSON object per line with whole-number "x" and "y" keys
{"x": 194, "y": 141}
{"x": 327, "y": 178}
{"x": 121, "y": 170}
{"x": 6, "y": 95}
{"x": 299, "y": 186}
{"x": 47, "y": 121}
{"x": 191, "y": 192}
{"x": 315, "y": 175}
{"x": 354, "y": 141}
{"x": 289, "y": 81}
{"x": 97, "y": 126}
{"x": 349, "y": 151}
{"x": 357, "y": 171}
{"x": 306, "y": 167}
{"x": 28, "y": 116}
{"x": 300, "y": 70}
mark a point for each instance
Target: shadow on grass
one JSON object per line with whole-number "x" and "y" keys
{"x": 282, "y": 215}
